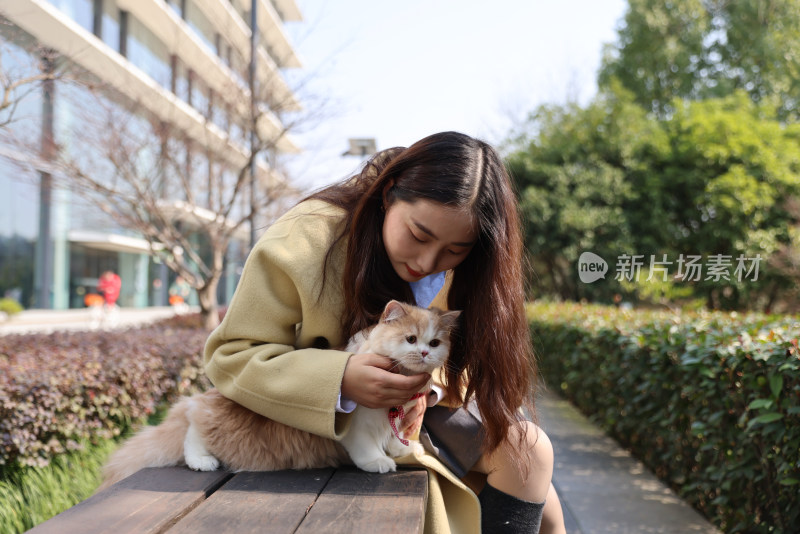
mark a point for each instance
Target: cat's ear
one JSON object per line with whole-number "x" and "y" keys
{"x": 450, "y": 319}
{"x": 393, "y": 311}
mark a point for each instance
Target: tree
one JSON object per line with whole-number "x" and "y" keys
{"x": 661, "y": 52}
{"x": 707, "y": 165}
{"x": 697, "y": 49}
{"x": 718, "y": 178}
{"x": 736, "y": 166}
{"x": 576, "y": 194}
{"x": 18, "y": 75}
{"x": 149, "y": 179}
{"x": 758, "y": 51}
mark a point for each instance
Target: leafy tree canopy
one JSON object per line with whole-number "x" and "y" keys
{"x": 696, "y": 49}
{"x": 713, "y": 178}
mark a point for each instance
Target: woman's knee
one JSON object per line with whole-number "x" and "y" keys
{"x": 540, "y": 446}
{"x": 523, "y": 465}
{"x": 526, "y": 442}
{"x": 536, "y": 450}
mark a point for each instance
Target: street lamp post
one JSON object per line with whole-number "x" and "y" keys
{"x": 252, "y": 72}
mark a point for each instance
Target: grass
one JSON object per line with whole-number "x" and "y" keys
{"x": 35, "y": 494}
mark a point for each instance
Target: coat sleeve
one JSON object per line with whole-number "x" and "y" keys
{"x": 262, "y": 355}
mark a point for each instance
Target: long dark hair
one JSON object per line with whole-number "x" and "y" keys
{"x": 492, "y": 358}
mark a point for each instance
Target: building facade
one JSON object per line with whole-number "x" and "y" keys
{"x": 180, "y": 64}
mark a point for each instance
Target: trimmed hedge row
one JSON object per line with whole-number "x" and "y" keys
{"x": 709, "y": 401}
{"x": 58, "y": 390}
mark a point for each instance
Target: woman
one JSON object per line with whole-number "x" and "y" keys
{"x": 437, "y": 221}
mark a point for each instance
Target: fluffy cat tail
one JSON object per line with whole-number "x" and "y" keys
{"x": 153, "y": 446}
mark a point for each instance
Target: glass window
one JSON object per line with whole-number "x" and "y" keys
{"x": 226, "y": 52}
{"x": 244, "y": 13}
{"x": 176, "y": 6}
{"x": 200, "y": 96}
{"x": 212, "y": 111}
{"x": 19, "y": 228}
{"x": 148, "y": 53}
{"x": 85, "y": 266}
{"x": 81, "y": 11}
{"x": 19, "y": 202}
{"x": 82, "y": 125}
{"x": 19, "y": 187}
{"x": 181, "y": 81}
{"x": 237, "y": 133}
{"x": 239, "y": 67}
{"x": 219, "y": 113}
{"x": 110, "y": 30}
{"x": 19, "y": 63}
{"x": 200, "y": 24}
{"x": 201, "y": 178}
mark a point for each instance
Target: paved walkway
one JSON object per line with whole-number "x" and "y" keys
{"x": 45, "y": 321}
{"x": 601, "y": 487}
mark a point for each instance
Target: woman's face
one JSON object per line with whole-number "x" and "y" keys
{"x": 424, "y": 237}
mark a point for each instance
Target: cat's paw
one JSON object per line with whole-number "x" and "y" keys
{"x": 416, "y": 448}
{"x": 382, "y": 464}
{"x": 202, "y": 462}
{"x": 397, "y": 449}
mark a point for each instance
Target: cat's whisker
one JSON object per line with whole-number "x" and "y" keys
{"x": 449, "y": 367}
{"x": 396, "y": 365}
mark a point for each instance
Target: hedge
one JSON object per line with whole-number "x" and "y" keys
{"x": 710, "y": 402}
{"x": 61, "y": 389}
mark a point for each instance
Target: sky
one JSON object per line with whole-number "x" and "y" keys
{"x": 398, "y": 71}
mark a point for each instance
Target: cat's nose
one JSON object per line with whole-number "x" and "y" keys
{"x": 424, "y": 353}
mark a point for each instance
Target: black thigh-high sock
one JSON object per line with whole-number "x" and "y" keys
{"x": 506, "y": 514}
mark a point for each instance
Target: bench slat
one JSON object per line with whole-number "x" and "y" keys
{"x": 396, "y": 503}
{"x": 257, "y": 502}
{"x": 148, "y": 501}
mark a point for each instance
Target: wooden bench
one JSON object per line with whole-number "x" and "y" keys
{"x": 177, "y": 500}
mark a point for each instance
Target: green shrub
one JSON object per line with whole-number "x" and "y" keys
{"x": 10, "y": 306}
{"x": 61, "y": 389}
{"x": 66, "y": 397}
{"x": 709, "y": 401}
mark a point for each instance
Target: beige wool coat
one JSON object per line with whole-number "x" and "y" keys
{"x": 262, "y": 354}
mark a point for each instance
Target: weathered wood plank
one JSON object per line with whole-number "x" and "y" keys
{"x": 264, "y": 502}
{"x": 149, "y": 501}
{"x": 356, "y": 501}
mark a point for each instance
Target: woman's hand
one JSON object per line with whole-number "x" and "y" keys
{"x": 413, "y": 419}
{"x": 369, "y": 381}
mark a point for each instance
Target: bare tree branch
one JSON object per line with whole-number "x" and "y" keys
{"x": 186, "y": 200}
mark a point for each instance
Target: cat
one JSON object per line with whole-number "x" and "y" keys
{"x": 418, "y": 340}
{"x": 207, "y": 429}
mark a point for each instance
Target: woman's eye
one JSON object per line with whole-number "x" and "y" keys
{"x": 411, "y": 339}
{"x": 434, "y": 343}
{"x": 414, "y": 235}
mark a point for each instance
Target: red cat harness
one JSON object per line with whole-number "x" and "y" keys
{"x": 398, "y": 412}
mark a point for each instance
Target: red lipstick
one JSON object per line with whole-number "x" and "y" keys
{"x": 413, "y": 273}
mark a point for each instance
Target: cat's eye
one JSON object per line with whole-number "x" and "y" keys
{"x": 411, "y": 339}
{"x": 434, "y": 343}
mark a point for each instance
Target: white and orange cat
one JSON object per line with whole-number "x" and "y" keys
{"x": 206, "y": 430}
